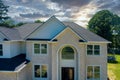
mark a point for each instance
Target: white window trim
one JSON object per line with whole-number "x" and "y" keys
{"x": 93, "y": 49}
{"x": 40, "y": 66}
{"x": 93, "y": 66}
{"x": 40, "y": 48}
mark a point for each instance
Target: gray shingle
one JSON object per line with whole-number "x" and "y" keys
{"x": 27, "y": 29}
{"x": 84, "y": 33}
{"x": 10, "y": 33}
{"x": 20, "y": 33}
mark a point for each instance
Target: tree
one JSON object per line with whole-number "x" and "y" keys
{"x": 3, "y": 12}
{"x": 103, "y": 23}
{"x": 38, "y": 21}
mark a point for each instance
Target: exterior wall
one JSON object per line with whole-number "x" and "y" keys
{"x": 11, "y": 49}
{"x": 39, "y": 59}
{"x": 68, "y": 37}
{"x": 25, "y": 73}
{"x": 23, "y": 47}
{"x": 8, "y": 76}
{"x": 6, "y": 49}
{"x": 100, "y": 60}
{"x": 14, "y": 48}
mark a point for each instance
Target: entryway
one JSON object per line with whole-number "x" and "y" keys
{"x": 67, "y": 73}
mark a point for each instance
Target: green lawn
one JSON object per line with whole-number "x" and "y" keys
{"x": 114, "y": 69}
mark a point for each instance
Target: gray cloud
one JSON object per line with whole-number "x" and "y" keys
{"x": 68, "y": 9}
{"x": 34, "y": 15}
{"x": 71, "y": 3}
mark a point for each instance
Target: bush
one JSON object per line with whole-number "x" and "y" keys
{"x": 111, "y": 59}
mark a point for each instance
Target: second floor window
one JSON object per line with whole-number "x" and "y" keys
{"x": 93, "y": 50}
{"x": 40, "y": 48}
{"x": 1, "y": 50}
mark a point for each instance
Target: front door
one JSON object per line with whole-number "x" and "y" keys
{"x": 67, "y": 73}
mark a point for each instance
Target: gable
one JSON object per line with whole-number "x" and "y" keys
{"x": 48, "y": 30}
{"x": 68, "y": 35}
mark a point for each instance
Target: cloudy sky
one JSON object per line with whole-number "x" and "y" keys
{"x": 79, "y": 11}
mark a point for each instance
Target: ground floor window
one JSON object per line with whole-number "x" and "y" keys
{"x": 93, "y": 72}
{"x": 40, "y": 71}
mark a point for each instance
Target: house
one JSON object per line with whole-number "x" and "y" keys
{"x": 52, "y": 50}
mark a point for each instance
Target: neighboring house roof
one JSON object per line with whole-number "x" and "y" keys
{"x": 21, "y": 33}
{"x": 11, "y": 64}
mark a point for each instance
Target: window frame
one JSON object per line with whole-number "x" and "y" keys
{"x": 62, "y": 53}
{"x": 1, "y": 50}
{"x": 40, "y": 49}
{"x": 93, "y": 73}
{"x": 93, "y": 50}
{"x": 40, "y": 65}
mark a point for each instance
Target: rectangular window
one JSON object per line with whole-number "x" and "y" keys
{"x": 36, "y": 48}
{"x": 37, "y": 71}
{"x": 1, "y": 50}
{"x": 40, "y": 48}
{"x": 89, "y": 49}
{"x": 93, "y": 73}
{"x": 96, "y": 49}
{"x": 40, "y": 71}
{"x": 43, "y": 48}
{"x": 93, "y": 50}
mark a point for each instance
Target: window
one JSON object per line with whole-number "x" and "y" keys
{"x": 93, "y": 73}
{"x": 40, "y": 48}
{"x": 93, "y": 50}
{"x": 1, "y": 50}
{"x": 40, "y": 71}
{"x": 67, "y": 53}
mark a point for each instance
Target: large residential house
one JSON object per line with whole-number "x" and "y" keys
{"x": 52, "y": 50}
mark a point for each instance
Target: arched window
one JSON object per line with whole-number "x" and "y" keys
{"x": 67, "y": 53}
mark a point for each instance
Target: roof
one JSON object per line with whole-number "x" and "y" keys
{"x": 85, "y": 34}
{"x": 10, "y": 64}
{"x": 27, "y": 29}
{"x": 10, "y": 33}
{"x": 21, "y": 33}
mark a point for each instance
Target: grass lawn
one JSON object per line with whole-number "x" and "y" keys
{"x": 114, "y": 69}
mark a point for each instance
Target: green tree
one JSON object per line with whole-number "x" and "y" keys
{"x": 38, "y": 21}
{"x": 3, "y": 12}
{"x": 103, "y": 23}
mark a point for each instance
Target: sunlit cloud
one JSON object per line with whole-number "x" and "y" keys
{"x": 79, "y": 11}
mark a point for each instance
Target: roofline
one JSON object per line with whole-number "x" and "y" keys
{"x": 99, "y": 42}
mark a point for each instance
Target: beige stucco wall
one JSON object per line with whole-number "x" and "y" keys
{"x": 8, "y": 76}
{"x": 39, "y": 59}
{"x": 68, "y": 37}
{"x": 100, "y": 60}
{"x": 24, "y": 74}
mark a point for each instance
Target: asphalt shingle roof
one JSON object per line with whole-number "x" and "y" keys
{"x": 20, "y": 33}
{"x": 10, "y": 33}
{"x": 10, "y": 64}
{"x": 84, "y": 33}
{"x": 27, "y": 29}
